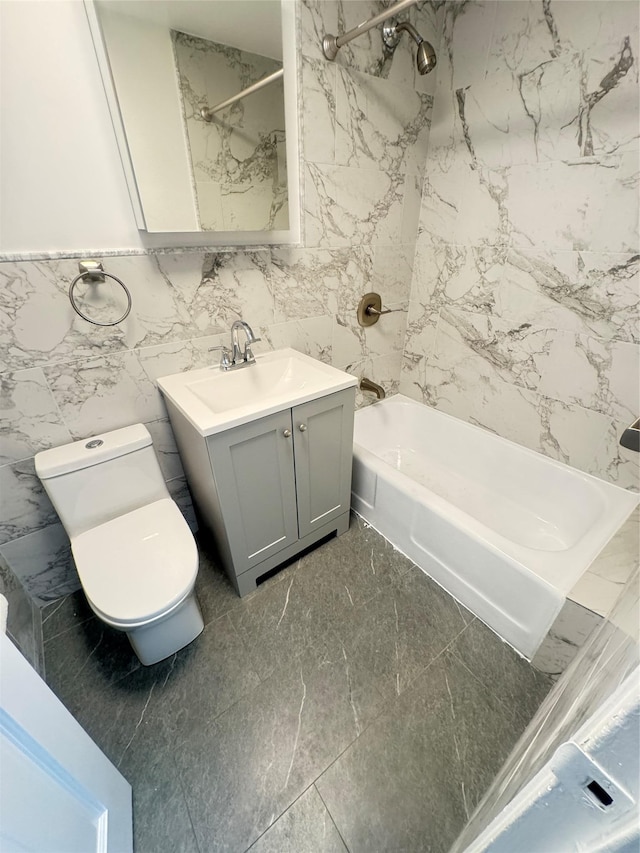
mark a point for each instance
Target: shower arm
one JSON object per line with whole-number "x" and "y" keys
{"x": 403, "y": 27}
{"x": 332, "y": 44}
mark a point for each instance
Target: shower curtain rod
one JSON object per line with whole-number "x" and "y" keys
{"x": 331, "y": 44}
{"x": 207, "y": 112}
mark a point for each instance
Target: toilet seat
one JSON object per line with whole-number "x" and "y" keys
{"x": 139, "y": 566}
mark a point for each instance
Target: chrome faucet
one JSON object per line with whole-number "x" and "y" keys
{"x": 235, "y": 357}
{"x": 246, "y": 355}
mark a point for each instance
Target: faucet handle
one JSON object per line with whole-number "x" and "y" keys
{"x": 225, "y": 360}
{"x": 248, "y": 353}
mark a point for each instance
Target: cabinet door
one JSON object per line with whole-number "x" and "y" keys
{"x": 323, "y": 431}
{"x": 254, "y": 474}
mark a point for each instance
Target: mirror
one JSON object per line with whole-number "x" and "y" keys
{"x": 193, "y": 161}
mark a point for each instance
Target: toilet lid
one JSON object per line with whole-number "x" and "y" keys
{"x": 134, "y": 567}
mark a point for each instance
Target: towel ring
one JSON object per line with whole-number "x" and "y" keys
{"x": 92, "y": 274}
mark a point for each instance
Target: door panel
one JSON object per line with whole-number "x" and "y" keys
{"x": 253, "y": 469}
{"x": 58, "y": 791}
{"x": 323, "y": 455}
{"x": 69, "y": 820}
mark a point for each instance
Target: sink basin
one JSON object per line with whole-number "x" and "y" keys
{"x": 213, "y": 399}
{"x": 260, "y": 382}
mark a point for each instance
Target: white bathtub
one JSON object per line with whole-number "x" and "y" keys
{"x": 505, "y": 530}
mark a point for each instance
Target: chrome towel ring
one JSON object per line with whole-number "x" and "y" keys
{"x": 94, "y": 271}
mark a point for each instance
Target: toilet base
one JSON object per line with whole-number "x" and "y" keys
{"x": 155, "y": 642}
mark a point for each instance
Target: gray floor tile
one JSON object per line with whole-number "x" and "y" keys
{"x": 510, "y": 677}
{"x": 117, "y": 714}
{"x": 243, "y": 770}
{"x": 214, "y": 591}
{"x": 197, "y": 683}
{"x": 441, "y": 608}
{"x": 120, "y": 719}
{"x": 64, "y": 614}
{"x": 317, "y": 596}
{"x": 413, "y": 777}
{"x": 277, "y": 624}
{"x": 223, "y": 741}
{"x": 160, "y": 813}
{"x": 89, "y": 655}
{"x": 402, "y": 630}
{"x": 306, "y": 827}
{"x": 206, "y": 678}
{"x": 371, "y": 564}
{"x": 483, "y": 729}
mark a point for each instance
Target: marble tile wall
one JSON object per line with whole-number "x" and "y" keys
{"x": 523, "y": 314}
{"x": 365, "y": 133}
{"x": 600, "y": 586}
{"x": 366, "y": 122}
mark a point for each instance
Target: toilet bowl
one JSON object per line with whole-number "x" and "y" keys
{"x": 136, "y": 557}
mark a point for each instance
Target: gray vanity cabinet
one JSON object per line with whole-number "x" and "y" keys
{"x": 255, "y": 478}
{"x": 280, "y": 483}
{"x": 323, "y": 453}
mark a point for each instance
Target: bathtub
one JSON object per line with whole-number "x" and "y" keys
{"x": 505, "y": 530}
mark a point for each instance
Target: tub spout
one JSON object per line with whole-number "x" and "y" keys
{"x": 368, "y": 385}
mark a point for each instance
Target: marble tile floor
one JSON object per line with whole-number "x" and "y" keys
{"x": 348, "y": 704}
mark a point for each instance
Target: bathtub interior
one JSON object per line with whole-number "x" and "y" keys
{"x": 524, "y": 497}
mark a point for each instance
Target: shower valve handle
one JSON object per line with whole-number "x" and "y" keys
{"x": 371, "y": 311}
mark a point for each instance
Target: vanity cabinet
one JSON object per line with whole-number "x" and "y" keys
{"x": 272, "y": 487}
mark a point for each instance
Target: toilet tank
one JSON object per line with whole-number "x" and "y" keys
{"x": 94, "y": 480}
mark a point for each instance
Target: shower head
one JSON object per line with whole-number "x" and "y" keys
{"x": 425, "y": 55}
{"x": 425, "y": 58}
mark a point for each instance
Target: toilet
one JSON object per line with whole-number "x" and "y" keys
{"x": 135, "y": 554}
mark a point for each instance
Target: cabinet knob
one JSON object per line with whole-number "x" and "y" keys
{"x": 286, "y": 433}
{"x": 303, "y": 427}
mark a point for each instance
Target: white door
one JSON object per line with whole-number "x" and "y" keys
{"x": 58, "y": 792}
